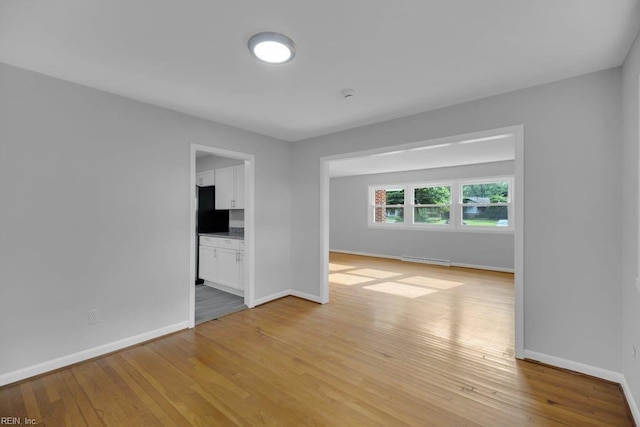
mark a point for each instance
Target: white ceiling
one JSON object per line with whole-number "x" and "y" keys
{"x": 401, "y": 57}
{"x": 455, "y": 153}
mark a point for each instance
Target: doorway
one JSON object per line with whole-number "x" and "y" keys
{"x": 517, "y": 133}
{"x": 221, "y": 276}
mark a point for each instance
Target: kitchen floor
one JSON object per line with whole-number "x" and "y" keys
{"x": 213, "y": 303}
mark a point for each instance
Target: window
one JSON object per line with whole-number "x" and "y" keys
{"x": 388, "y": 205}
{"x": 485, "y": 204}
{"x": 482, "y": 204}
{"x": 432, "y": 205}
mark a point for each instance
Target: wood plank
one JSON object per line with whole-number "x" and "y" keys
{"x": 90, "y": 415}
{"x": 129, "y": 371}
{"x": 399, "y": 344}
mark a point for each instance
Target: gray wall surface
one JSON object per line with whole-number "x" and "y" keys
{"x": 349, "y": 231}
{"x": 573, "y": 152}
{"x": 629, "y": 224}
{"x": 95, "y": 211}
{"x": 211, "y": 162}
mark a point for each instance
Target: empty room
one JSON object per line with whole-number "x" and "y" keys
{"x": 399, "y": 213}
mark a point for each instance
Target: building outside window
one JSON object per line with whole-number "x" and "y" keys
{"x": 389, "y": 205}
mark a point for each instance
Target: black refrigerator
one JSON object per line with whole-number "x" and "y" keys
{"x": 208, "y": 219}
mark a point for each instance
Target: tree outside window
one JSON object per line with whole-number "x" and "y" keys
{"x": 432, "y": 205}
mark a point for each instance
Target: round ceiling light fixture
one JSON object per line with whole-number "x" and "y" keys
{"x": 273, "y": 48}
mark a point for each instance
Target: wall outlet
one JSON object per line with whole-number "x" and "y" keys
{"x": 95, "y": 316}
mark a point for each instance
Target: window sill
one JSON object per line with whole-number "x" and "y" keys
{"x": 497, "y": 230}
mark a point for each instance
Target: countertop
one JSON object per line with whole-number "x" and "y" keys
{"x": 226, "y": 235}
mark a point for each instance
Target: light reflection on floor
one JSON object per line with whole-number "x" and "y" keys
{"x": 410, "y": 287}
{"x": 400, "y": 289}
{"x": 376, "y": 274}
{"x": 339, "y": 267}
{"x": 431, "y": 282}
{"x": 454, "y": 305}
{"x": 348, "y": 279}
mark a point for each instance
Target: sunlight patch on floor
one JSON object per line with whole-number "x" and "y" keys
{"x": 400, "y": 289}
{"x": 339, "y": 267}
{"x": 376, "y": 274}
{"x": 431, "y": 282}
{"x": 348, "y": 279}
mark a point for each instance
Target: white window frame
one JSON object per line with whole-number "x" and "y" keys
{"x": 455, "y": 207}
{"x": 415, "y": 205}
{"x": 373, "y": 206}
{"x": 508, "y": 204}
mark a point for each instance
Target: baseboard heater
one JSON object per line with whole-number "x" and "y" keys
{"x": 423, "y": 260}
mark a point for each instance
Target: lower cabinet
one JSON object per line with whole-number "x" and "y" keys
{"x": 230, "y": 268}
{"x": 221, "y": 261}
{"x": 208, "y": 263}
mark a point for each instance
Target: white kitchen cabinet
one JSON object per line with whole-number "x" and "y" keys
{"x": 221, "y": 261}
{"x": 225, "y": 191}
{"x": 239, "y": 199}
{"x": 206, "y": 178}
{"x": 230, "y": 187}
{"x": 208, "y": 263}
{"x": 230, "y": 268}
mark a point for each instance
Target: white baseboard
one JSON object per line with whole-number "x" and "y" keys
{"x": 224, "y": 288}
{"x": 630, "y": 400}
{"x": 307, "y": 296}
{"x": 482, "y": 267}
{"x": 271, "y": 297}
{"x": 61, "y": 362}
{"x": 288, "y": 292}
{"x": 340, "y": 251}
{"x": 605, "y": 374}
{"x": 453, "y": 264}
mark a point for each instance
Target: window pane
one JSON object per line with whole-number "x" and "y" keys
{"x": 485, "y": 216}
{"x": 492, "y": 192}
{"x": 431, "y": 215}
{"x": 384, "y": 215}
{"x": 432, "y": 195}
{"x": 389, "y": 196}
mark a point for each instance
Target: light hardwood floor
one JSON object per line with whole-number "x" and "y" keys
{"x": 399, "y": 344}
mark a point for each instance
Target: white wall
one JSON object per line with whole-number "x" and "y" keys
{"x": 236, "y": 218}
{"x": 211, "y": 162}
{"x": 349, "y": 204}
{"x": 573, "y": 152}
{"x": 94, "y": 213}
{"x": 629, "y": 224}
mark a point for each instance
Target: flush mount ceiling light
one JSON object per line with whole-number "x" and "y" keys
{"x": 273, "y": 48}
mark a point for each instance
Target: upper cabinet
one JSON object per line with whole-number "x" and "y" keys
{"x": 230, "y": 187}
{"x": 205, "y": 179}
{"x": 239, "y": 175}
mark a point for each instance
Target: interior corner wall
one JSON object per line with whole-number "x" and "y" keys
{"x": 95, "y": 213}
{"x": 349, "y": 231}
{"x": 572, "y": 188}
{"x": 629, "y": 224}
